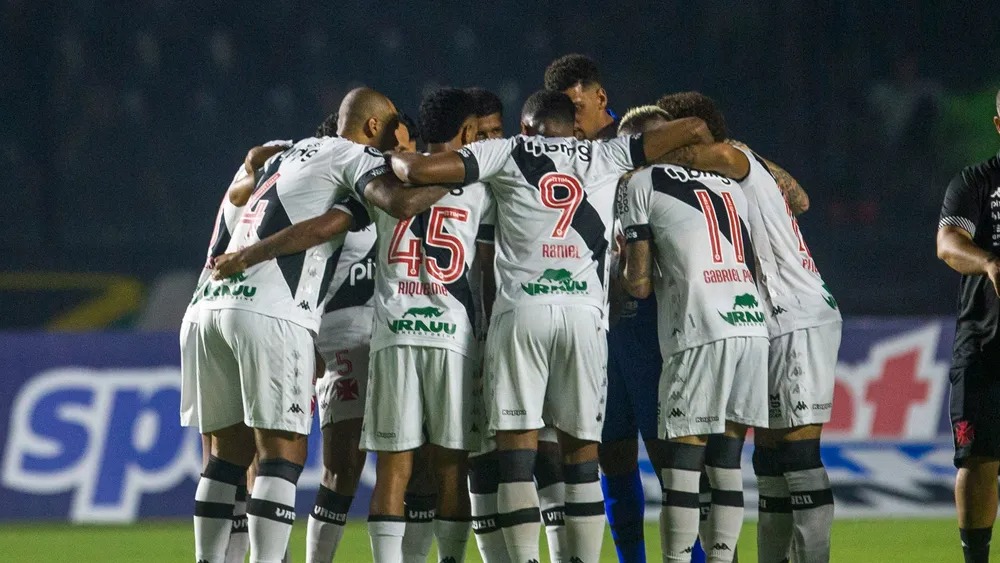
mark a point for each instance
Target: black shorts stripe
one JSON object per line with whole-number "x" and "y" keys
{"x": 727, "y": 498}
{"x": 219, "y": 510}
{"x": 274, "y": 511}
{"x": 518, "y": 517}
{"x": 682, "y": 499}
{"x": 811, "y": 499}
{"x": 576, "y": 509}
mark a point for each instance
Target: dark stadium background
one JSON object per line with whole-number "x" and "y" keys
{"x": 124, "y": 121}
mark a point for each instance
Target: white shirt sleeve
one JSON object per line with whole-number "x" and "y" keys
{"x": 485, "y": 159}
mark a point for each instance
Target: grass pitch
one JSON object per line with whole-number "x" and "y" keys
{"x": 854, "y": 541}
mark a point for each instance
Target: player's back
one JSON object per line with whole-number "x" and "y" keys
{"x": 705, "y": 284}
{"x": 424, "y": 290}
{"x": 555, "y": 200}
{"x": 297, "y": 184}
{"x": 790, "y": 282}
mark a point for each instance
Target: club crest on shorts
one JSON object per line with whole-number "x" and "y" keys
{"x": 965, "y": 433}
{"x": 345, "y": 389}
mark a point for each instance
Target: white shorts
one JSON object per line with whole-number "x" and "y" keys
{"x": 547, "y": 366}
{"x": 703, "y": 387}
{"x": 413, "y": 389}
{"x": 254, "y": 369}
{"x": 344, "y": 344}
{"x": 801, "y": 372}
{"x": 189, "y": 373}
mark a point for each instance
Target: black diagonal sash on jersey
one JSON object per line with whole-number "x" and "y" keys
{"x": 684, "y": 191}
{"x": 275, "y": 219}
{"x": 331, "y": 268}
{"x": 586, "y": 221}
{"x": 353, "y": 295}
{"x": 764, "y": 164}
{"x": 222, "y": 237}
{"x": 460, "y": 288}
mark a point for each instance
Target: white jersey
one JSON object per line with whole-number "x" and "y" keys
{"x": 425, "y": 290}
{"x": 789, "y": 281}
{"x": 301, "y": 183}
{"x": 222, "y": 233}
{"x": 705, "y": 284}
{"x": 555, "y": 209}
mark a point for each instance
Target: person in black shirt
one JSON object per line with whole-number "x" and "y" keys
{"x": 968, "y": 240}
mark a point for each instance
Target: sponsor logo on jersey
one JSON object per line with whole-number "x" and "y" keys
{"x": 364, "y": 270}
{"x": 743, "y": 312}
{"x": 996, "y": 192}
{"x": 233, "y": 287}
{"x": 829, "y": 297}
{"x": 419, "y": 326}
{"x": 555, "y": 281}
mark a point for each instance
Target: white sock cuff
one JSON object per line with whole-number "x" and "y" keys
{"x": 274, "y": 489}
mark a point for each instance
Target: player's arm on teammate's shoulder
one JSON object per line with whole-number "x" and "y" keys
{"x": 632, "y": 209}
{"x": 957, "y": 249}
{"x": 402, "y": 202}
{"x": 673, "y": 135}
{"x": 795, "y": 195}
{"x": 721, "y": 158}
{"x": 291, "y": 240}
{"x": 240, "y": 190}
{"x": 419, "y": 169}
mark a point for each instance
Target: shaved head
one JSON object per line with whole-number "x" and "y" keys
{"x": 367, "y": 116}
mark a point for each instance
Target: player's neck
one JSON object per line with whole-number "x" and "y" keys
{"x": 452, "y": 145}
{"x": 354, "y": 136}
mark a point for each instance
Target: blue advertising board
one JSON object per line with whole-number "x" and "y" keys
{"x": 89, "y": 427}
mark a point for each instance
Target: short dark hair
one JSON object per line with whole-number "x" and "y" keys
{"x": 411, "y": 127}
{"x": 442, "y": 113}
{"x": 569, "y": 70}
{"x": 487, "y": 103}
{"x": 635, "y": 120}
{"x": 329, "y": 126}
{"x": 549, "y": 105}
{"x": 696, "y": 104}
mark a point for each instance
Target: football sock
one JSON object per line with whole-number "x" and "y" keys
{"x": 326, "y": 525}
{"x": 214, "y": 500}
{"x": 976, "y": 544}
{"x": 419, "y": 535}
{"x": 552, "y": 502}
{"x": 271, "y": 509}
{"x": 239, "y": 536}
{"x": 774, "y": 527}
{"x": 386, "y": 534}
{"x": 722, "y": 464}
{"x": 517, "y": 504}
{"x": 705, "y": 508}
{"x": 584, "y": 512}
{"x": 812, "y": 499}
{"x": 679, "y": 517}
{"x": 625, "y": 505}
{"x": 483, "y": 483}
{"x": 452, "y": 537}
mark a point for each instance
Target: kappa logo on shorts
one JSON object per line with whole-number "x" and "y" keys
{"x": 304, "y": 305}
{"x": 295, "y": 408}
{"x": 965, "y": 433}
{"x": 721, "y": 547}
{"x": 676, "y": 396}
{"x": 801, "y": 406}
{"x": 675, "y": 413}
{"x": 346, "y": 389}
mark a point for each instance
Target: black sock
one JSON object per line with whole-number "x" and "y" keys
{"x": 976, "y": 544}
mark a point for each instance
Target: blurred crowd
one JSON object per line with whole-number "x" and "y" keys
{"x": 125, "y": 120}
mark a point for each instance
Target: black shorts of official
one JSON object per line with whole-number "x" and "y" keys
{"x": 975, "y": 407}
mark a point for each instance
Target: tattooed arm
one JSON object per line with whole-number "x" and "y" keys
{"x": 796, "y": 197}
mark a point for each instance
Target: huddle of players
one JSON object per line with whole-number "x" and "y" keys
{"x": 542, "y": 230}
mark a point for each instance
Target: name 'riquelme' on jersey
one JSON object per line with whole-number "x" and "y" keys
{"x": 789, "y": 280}
{"x": 301, "y": 183}
{"x": 555, "y": 210}
{"x": 705, "y": 284}
{"x": 425, "y": 294}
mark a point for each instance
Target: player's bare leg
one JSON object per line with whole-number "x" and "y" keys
{"x": 386, "y": 523}
{"x": 517, "y": 499}
{"x": 809, "y": 488}
{"x": 453, "y": 521}
{"x": 584, "y": 499}
{"x": 271, "y": 509}
{"x": 229, "y": 452}
{"x": 679, "y": 462}
{"x": 420, "y": 505}
{"x": 343, "y": 463}
{"x": 774, "y": 524}
{"x": 976, "y": 502}
{"x": 552, "y": 497}
{"x": 721, "y": 530}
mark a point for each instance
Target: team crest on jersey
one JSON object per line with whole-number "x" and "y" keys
{"x": 420, "y": 323}
{"x": 555, "y": 281}
{"x": 745, "y": 312}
